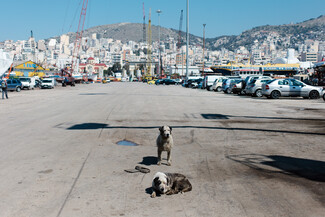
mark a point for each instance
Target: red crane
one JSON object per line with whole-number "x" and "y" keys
{"x": 77, "y": 42}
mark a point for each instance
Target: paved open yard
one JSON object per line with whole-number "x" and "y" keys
{"x": 244, "y": 156}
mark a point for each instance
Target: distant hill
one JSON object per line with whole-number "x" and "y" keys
{"x": 298, "y": 33}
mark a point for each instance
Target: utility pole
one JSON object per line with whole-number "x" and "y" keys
{"x": 203, "y": 49}
{"x": 159, "y": 54}
{"x": 187, "y": 35}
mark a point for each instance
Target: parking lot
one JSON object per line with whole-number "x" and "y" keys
{"x": 244, "y": 156}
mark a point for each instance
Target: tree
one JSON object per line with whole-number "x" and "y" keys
{"x": 116, "y": 67}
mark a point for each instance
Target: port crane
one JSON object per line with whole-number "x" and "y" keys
{"x": 144, "y": 24}
{"x": 77, "y": 42}
{"x": 67, "y": 75}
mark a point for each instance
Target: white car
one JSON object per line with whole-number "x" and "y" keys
{"x": 290, "y": 87}
{"x": 217, "y": 84}
{"x": 254, "y": 88}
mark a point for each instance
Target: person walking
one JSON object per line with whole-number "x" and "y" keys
{"x": 4, "y": 87}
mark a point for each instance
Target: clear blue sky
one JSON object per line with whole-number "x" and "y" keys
{"x": 54, "y": 17}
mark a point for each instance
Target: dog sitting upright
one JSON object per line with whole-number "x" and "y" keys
{"x": 165, "y": 143}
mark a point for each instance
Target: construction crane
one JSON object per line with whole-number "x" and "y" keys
{"x": 77, "y": 42}
{"x": 180, "y": 31}
{"x": 180, "y": 38}
{"x": 144, "y": 25}
{"x": 148, "y": 73}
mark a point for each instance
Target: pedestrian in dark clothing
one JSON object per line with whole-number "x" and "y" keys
{"x": 4, "y": 87}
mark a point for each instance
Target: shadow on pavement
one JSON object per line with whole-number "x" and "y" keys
{"x": 94, "y": 126}
{"x": 221, "y": 116}
{"x": 149, "y": 160}
{"x": 299, "y": 167}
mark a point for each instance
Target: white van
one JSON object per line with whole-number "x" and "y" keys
{"x": 28, "y": 82}
{"x": 47, "y": 83}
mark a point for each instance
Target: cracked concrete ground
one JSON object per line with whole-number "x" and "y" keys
{"x": 244, "y": 156}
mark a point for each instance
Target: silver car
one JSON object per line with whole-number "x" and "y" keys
{"x": 290, "y": 87}
{"x": 254, "y": 88}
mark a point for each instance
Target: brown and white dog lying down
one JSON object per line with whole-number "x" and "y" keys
{"x": 165, "y": 143}
{"x": 170, "y": 183}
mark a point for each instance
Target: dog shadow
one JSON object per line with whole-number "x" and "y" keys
{"x": 149, "y": 160}
{"x": 150, "y": 191}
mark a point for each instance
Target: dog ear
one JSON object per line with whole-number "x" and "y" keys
{"x": 161, "y": 128}
{"x": 168, "y": 181}
{"x": 170, "y": 128}
{"x": 156, "y": 181}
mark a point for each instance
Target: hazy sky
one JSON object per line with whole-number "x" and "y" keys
{"x": 222, "y": 17}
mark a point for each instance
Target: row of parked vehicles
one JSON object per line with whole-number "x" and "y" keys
{"x": 258, "y": 86}
{"x": 30, "y": 83}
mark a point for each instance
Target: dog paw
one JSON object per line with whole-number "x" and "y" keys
{"x": 169, "y": 163}
{"x": 153, "y": 195}
{"x": 158, "y": 163}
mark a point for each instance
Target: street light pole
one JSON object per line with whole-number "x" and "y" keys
{"x": 203, "y": 49}
{"x": 159, "y": 54}
{"x": 187, "y": 35}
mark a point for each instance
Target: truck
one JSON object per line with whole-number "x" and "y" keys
{"x": 48, "y": 83}
{"x": 67, "y": 78}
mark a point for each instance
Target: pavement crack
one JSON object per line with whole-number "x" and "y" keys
{"x": 73, "y": 185}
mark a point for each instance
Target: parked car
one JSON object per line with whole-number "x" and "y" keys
{"x": 158, "y": 81}
{"x": 47, "y": 83}
{"x": 324, "y": 95}
{"x": 168, "y": 81}
{"x": 228, "y": 84}
{"x": 209, "y": 80}
{"x": 195, "y": 83}
{"x": 290, "y": 87}
{"x": 251, "y": 78}
{"x": 28, "y": 82}
{"x": 152, "y": 81}
{"x": 217, "y": 84}
{"x": 237, "y": 87}
{"x": 254, "y": 88}
{"x": 14, "y": 85}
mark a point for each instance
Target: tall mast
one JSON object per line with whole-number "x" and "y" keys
{"x": 187, "y": 35}
{"x": 149, "y": 46}
{"x": 79, "y": 35}
{"x": 144, "y": 25}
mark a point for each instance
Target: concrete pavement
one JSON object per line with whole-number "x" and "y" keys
{"x": 244, "y": 156}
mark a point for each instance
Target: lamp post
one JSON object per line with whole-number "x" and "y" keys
{"x": 187, "y": 35}
{"x": 159, "y": 54}
{"x": 203, "y": 49}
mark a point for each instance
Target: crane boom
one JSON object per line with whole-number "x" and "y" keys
{"x": 144, "y": 25}
{"x": 77, "y": 42}
{"x": 180, "y": 31}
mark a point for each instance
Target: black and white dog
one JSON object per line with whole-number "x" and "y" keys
{"x": 170, "y": 183}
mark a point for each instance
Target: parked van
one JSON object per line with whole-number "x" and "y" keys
{"x": 47, "y": 83}
{"x": 28, "y": 82}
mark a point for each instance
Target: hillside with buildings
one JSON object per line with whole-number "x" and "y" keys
{"x": 123, "y": 43}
